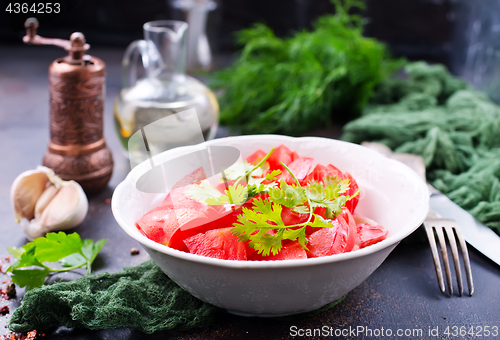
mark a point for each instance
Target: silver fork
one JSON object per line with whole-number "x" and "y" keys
{"x": 434, "y": 223}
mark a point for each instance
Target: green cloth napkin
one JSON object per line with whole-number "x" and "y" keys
{"x": 141, "y": 297}
{"x": 455, "y": 129}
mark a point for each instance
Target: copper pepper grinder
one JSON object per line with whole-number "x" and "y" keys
{"x": 77, "y": 149}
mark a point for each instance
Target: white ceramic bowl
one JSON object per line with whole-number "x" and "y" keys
{"x": 391, "y": 194}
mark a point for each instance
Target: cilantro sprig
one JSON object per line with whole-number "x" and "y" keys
{"x": 237, "y": 193}
{"x": 35, "y": 259}
{"x": 263, "y": 227}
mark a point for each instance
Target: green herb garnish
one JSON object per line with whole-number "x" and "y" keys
{"x": 68, "y": 250}
{"x": 262, "y": 226}
{"x": 256, "y": 225}
{"x": 293, "y": 85}
{"x": 236, "y": 193}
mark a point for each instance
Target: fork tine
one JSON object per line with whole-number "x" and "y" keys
{"x": 444, "y": 253}
{"x": 456, "y": 261}
{"x": 435, "y": 256}
{"x": 465, "y": 255}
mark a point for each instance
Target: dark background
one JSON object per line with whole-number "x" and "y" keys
{"x": 431, "y": 30}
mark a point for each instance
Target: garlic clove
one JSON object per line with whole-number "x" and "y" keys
{"x": 43, "y": 202}
{"x": 25, "y": 192}
{"x": 67, "y": 208}
{"x": 33, "y": 229}
{"x": 44, "y": 199}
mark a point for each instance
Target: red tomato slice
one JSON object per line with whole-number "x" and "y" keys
{"x": 217, "y": 243}
{"x": 333, "y": 171}
{"x": 176, "y": 195}
{"x": 350, "y": 234}
{"x": 256, "y": 157}
{"x": 176, "y": 198}
{"x": 320, "y": 172}
{"x": 291, "y": 217}
{"x": 339, "y": 239}
{"x": 290, "y": 251}
{"x": 370, "y": 234}
{"x": 214, "y": 220}
{"x": 301, "y": 168}
{"x": 353, "y": 187}
{"x": 280, "y": 154}
{"x": 196, "y": 176}
{"x": 217, "y": 217}
{"x": 317, "y": 174}
{"x": 319, "y": 243}
{"x": 160, "y": 223}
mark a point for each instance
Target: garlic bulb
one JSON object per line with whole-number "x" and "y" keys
{"x": 43, "y": 202}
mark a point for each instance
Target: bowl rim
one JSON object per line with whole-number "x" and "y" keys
{"x": 391, "y": 240}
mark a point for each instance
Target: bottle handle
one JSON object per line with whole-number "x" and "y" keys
{"x": 150, "y": 57}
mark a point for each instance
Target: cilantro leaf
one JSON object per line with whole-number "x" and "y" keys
{"x": 232, "y": 195}
{"x": 235, "y": 193}
{"x": 55, "y": 246}
{"x": 69, "y": 251}
{"x": 240, "y": 169}
{"x": 15, "y": 252}
{"x": 90, "y": 250}
{"x": 296, "y": 234}
{"x": 97, "y": 248}
{"x": 288, "y": 195}
{"x": 328, "y": 195}
{"x": 263, "y": 227}
{"x": 264, "y": 242}
{"x": 27, "y": 258}
{"x": 73, "y": 260}
{"x": 254, "y": 225}
{"x": 301, "y": 209}
{"x": 320, "y": 222}
{"x": 201, "y": 192}
{"x": 30, "y": 278}
{"x": 271, "y": 176}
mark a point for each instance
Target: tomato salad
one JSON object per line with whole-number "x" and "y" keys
{"x": 274, "y": 206}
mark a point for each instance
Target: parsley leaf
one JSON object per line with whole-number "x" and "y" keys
{"x": 201, "y": 192}
{"x": 263, "y": 227}
{"x": 235, "y": 193}
{"x": 239, "y": 169}
{"x": 30, "y": 278}
{"x": 254, "y": 225}
{"x": 328, "y": 195}
{"x": 55, "y": 246}
{"x": 288, "y": 195}
{"x": 232, "y": 195}
{"x": 69, "y": 251}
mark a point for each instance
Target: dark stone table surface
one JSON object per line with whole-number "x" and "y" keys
{"x": 401, "y": 295}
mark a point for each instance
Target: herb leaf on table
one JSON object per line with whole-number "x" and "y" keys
{"x": 68, "y": 250}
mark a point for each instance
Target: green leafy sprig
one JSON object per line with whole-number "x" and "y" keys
{"x": 263, "y": 227}
{"x": 295, "y": 84}
{"x": 68, "y": 250}
{"x": 236, "y": 193}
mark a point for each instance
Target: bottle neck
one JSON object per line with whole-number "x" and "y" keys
{"x": 167, "y": 51}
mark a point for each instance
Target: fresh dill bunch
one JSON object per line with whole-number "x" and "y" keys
{"x": 293, "y": 85}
